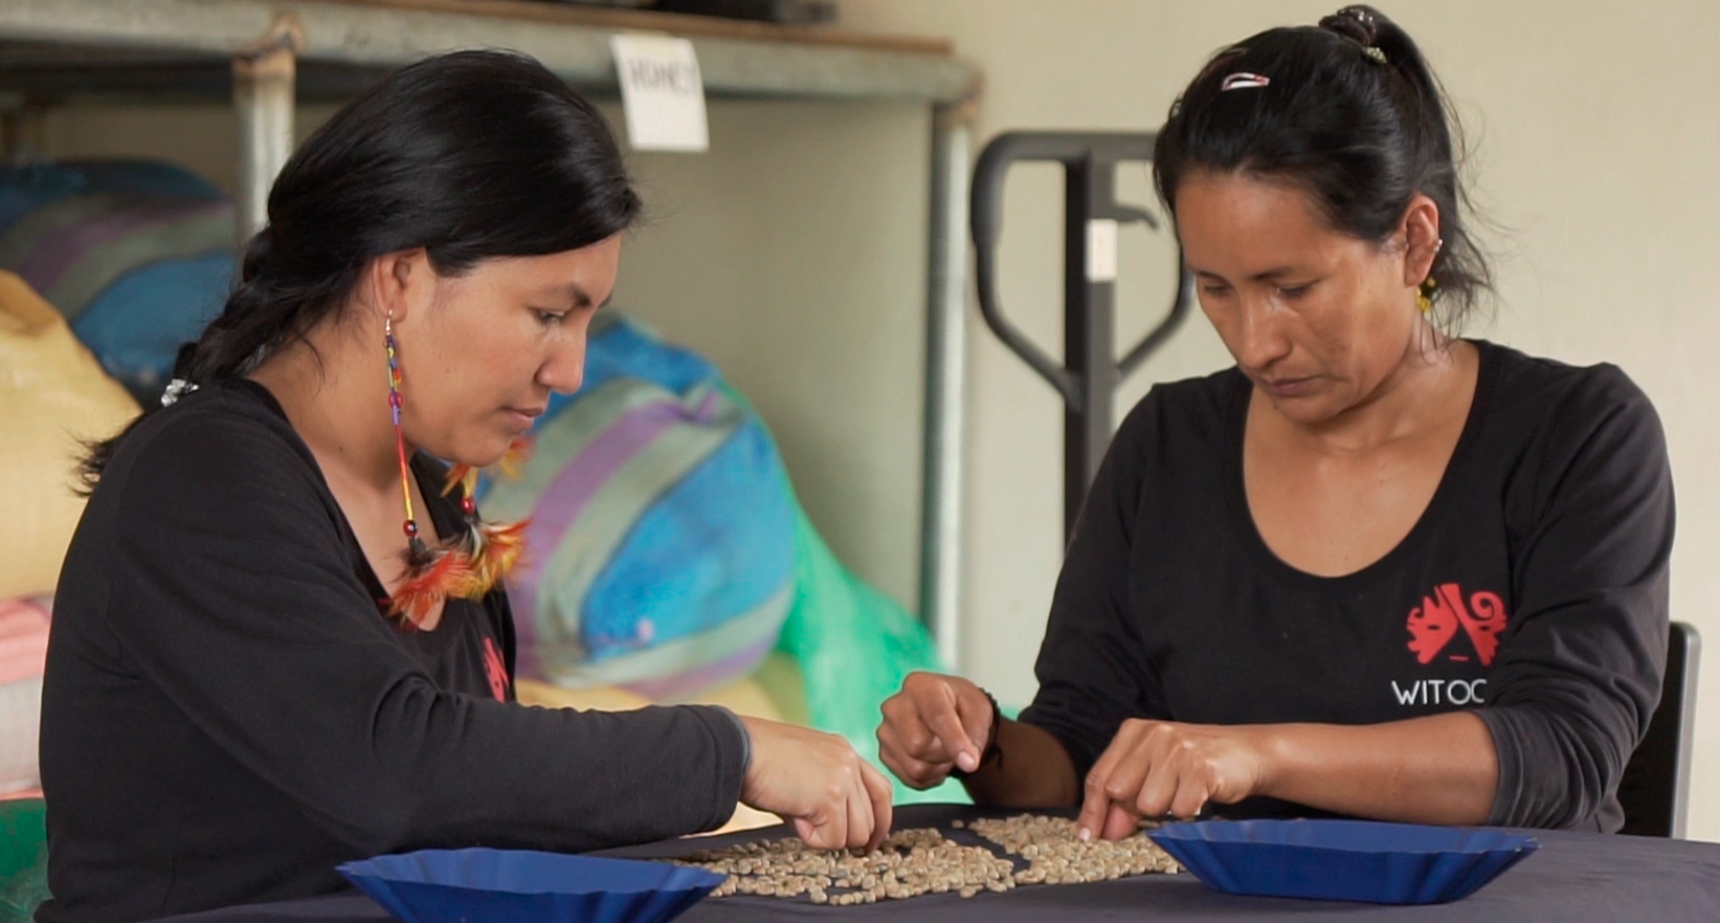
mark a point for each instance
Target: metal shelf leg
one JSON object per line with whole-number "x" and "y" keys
{"x": 946, "y": 386}
{"x": 263, "y": 95}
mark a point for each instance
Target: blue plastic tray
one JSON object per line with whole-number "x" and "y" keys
{"x": 517, "y": 886}
{"x": 1343, "y": 860}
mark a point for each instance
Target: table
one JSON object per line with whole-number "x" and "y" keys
{"x": 1573, "y": 878}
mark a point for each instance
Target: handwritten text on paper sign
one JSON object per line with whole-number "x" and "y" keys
{"x": 662, "y": 93}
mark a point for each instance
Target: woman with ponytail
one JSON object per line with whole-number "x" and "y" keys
{"x": 280, "y": 639}
{"x": 1375, "y": 569}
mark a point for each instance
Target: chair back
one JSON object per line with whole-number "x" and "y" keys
{"x": 1655, "y": 789}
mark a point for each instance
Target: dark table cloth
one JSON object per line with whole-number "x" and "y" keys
{"x": 1573, "y": 878}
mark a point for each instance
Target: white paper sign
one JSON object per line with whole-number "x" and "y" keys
{"x": 661, "y": 92}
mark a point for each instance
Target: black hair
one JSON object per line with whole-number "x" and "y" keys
{"x": 469, "y": 155}
{"x": 1352, "y": 115}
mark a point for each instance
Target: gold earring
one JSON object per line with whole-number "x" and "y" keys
{"x": 1424, "y": 296}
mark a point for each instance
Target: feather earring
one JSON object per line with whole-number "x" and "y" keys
{"x": 466, "y": 565}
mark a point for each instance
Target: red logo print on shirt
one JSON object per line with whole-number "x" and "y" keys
{"x": 1434, "y": 623}
{"x": 497, "y": 670}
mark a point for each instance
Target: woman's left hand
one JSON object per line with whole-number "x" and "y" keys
{"x": 1154, "y": 768}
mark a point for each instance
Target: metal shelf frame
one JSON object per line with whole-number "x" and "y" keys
{"x": 265, "y": 55}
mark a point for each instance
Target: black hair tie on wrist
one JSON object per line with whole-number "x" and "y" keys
{"x": 991, "y": 753}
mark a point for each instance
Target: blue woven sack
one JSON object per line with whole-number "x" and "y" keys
{"x": 660, "y": 555}
{"x": 137, "y": 256}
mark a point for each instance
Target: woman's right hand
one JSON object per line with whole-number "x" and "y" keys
{"x": 835, "y": 799}
{"x": 935, "y": 724}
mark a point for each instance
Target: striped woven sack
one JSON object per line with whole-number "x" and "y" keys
{"x": 660, "y": 555}
{"x": 23, "y": 650}
{"x": 137, "y": 256}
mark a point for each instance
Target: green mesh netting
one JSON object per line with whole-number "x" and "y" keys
{"x": 854, "y": 646}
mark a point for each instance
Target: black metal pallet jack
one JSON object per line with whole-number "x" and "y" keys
{"x": 1090, "y": 373}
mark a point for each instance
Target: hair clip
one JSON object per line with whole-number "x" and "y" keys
{"x": 1359, "y": 14}
{"x": 1242, "y": 80}
{"x": 1374, "y": 53}
{"x": 176, "y": 389}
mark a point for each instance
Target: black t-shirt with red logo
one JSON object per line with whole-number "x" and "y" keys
{"x": 1533, "y": 590}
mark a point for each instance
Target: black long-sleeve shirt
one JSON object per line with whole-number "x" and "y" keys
{"x": 227, "y": 714}
{"x": 1533, "y": 589}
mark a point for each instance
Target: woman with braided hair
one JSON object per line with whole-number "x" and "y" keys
{"x": 1374, "y": 569}
{"x": 280, "y": 641}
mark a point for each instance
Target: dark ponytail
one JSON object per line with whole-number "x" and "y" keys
{"x": 1354, "y": 116}
{"x": 470, "y": 155}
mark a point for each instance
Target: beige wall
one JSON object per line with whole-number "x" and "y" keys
{"x": 792, "y": 254}
{"x": 1599, "y": 153}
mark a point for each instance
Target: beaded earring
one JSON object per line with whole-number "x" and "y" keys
{"x": 1424, "y": 292}
{"x": 466, "y": 565}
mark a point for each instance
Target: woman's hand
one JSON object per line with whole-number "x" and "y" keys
{"x": 936, "y": 723}
{"x": 835, "y": 799}
{"x": 1154, "y": 768}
